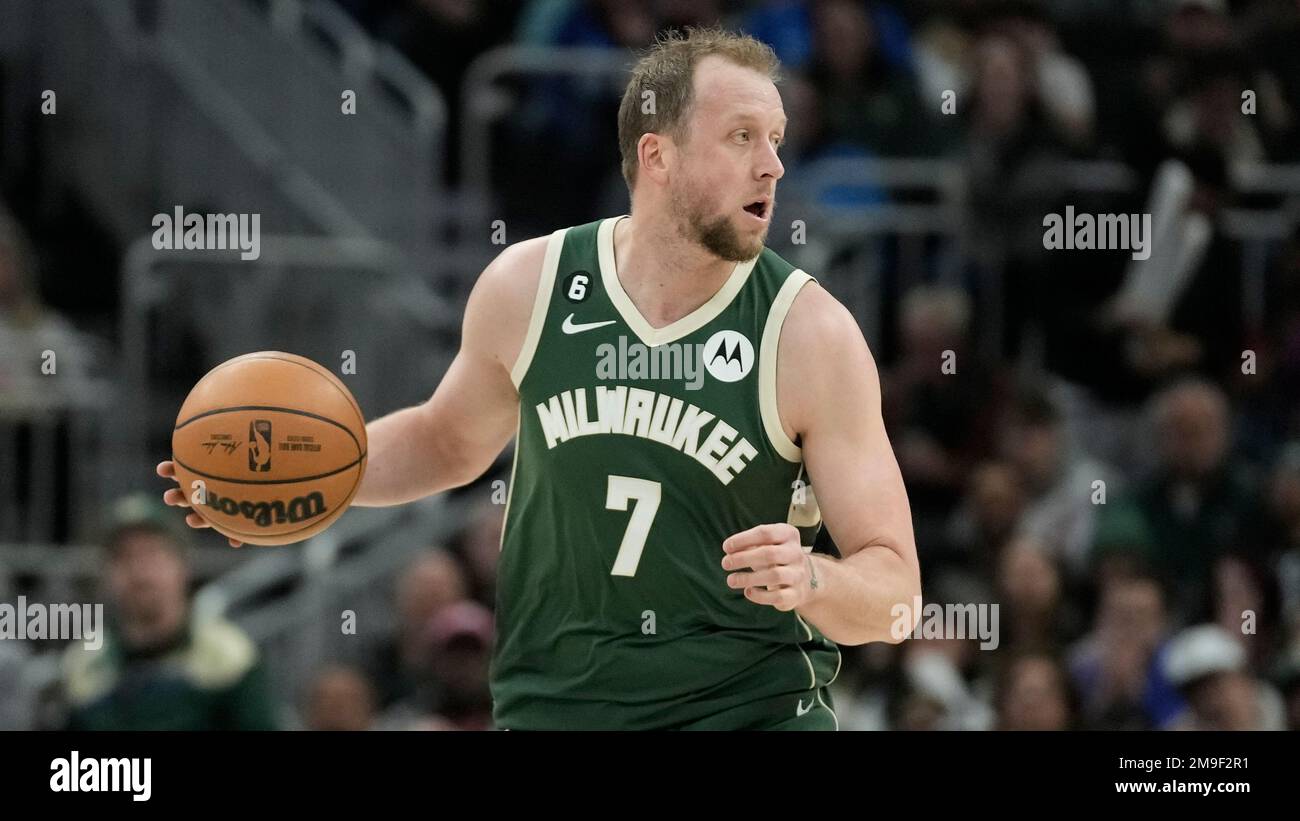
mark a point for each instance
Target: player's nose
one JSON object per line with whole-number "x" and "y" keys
{"x": 769, "y": 164}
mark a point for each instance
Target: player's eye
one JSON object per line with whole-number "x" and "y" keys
{"x": 743, "y": 135}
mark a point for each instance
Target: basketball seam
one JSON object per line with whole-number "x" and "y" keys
{"x": 197, "y": 472}
{"x": 330, "y": 377}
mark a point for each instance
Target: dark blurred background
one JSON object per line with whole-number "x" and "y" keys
{"x": 1115, "y": 461}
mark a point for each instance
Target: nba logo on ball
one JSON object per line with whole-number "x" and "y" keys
{"x": 728, "y": 356}
{"x": 259, "y": 445}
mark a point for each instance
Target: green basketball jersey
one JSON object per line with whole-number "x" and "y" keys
{"x": 639, "y": 451}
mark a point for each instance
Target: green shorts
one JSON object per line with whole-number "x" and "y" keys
{"x": 809, "y": 710}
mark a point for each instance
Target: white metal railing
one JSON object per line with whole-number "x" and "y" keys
{"x": 217, "y": 103}
{"x": 382, "y": 163}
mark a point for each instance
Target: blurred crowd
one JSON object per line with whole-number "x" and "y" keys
{"x": 1130, "y": 502}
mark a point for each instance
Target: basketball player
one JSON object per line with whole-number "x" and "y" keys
{"x": 653, "y": 573}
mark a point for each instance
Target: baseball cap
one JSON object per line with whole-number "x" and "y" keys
{"x": 141, "y": 512}
{"x": 1202, "y": 651}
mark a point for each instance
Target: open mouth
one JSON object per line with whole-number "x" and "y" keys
{"x": 758, "y": 208}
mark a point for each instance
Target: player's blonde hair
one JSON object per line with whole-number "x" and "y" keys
{"x": 667, "y": 70}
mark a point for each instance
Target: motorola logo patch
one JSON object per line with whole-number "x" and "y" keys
{"x": 728, "y": 356}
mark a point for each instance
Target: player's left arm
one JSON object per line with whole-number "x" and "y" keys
{"x": 828, "y": 396}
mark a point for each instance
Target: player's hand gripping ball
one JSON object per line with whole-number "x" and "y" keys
{"x": 269, "y": 448}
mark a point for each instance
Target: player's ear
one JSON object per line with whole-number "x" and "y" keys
{"x": 655, "y": 155}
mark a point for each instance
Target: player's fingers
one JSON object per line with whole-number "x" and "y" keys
{"x": 166, "y": 469}
{"x": 755, "y": 558}
{"x": 773, "y": 577}
{"x": 176, "y": 498}
{"x": 762, "y": 534}
{"x": 746, "y": 539}
{"x": 196, "y": 521}
{"x": 234, "y": 543}
{"x": 782, "y": 598}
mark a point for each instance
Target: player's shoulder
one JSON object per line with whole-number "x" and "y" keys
{"x": 812, "y": 320}
{"x": 504, "y": 299}
{"x": 518, "y": 266}
{"x": 514, "y": 276}
{"x": 821, "y": 343}
{"x": 817, "y": 322}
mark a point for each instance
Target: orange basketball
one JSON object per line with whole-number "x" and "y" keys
{"x": 277, "y": 443}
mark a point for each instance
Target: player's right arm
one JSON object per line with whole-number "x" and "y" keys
{"x": 454, "y": 436}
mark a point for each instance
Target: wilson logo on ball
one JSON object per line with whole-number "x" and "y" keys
{"x": 263, "y": 514}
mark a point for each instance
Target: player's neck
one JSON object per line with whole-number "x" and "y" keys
{"x": 665, "y": 275}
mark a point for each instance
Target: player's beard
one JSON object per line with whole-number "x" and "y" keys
{"x": 717, "y": 235}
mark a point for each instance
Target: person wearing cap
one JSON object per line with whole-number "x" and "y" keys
{"x": 159, "y": 667}
{"x": 453, "y": 693}
{"x": 1209, "y": 668}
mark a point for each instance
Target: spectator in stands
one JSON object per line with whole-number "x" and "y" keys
{"x": 1035, "y": 614}
{"x": 1243, "y": 603}
{"x": 478, "y": 544}
{"x": 1209, "y": 113}
{"x": 789, "y": 27}
{"x": 340, "y": 698}
{"x": 1196, "y": 503}
{"x": 868, "y": 674}
{"x": 1117, "y": 668}
{"x": 453, "y": 693}
{"x": 430, "y": 582}
{"x": 941, "y": 690}
{"x": 161, "y": 667}
{"x": 1063, "y": 84}
{"x": 1058, "y": 477}
{"x": 1011, "y": 155}
{"x": 942, "y": 53}
{"x": 864, "y": 106}
{"x": 1033, "y": 694}
{"x": 1209, "y": 667}
{"x": 942, "y": 408}
{"x": 988, "y": 517}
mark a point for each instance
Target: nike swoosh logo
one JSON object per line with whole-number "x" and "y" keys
{"x": 570, "y": 327}
{"x": 802, "y": 710}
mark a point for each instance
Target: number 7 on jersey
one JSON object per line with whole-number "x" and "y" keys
{"x": 623, "y": 489}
